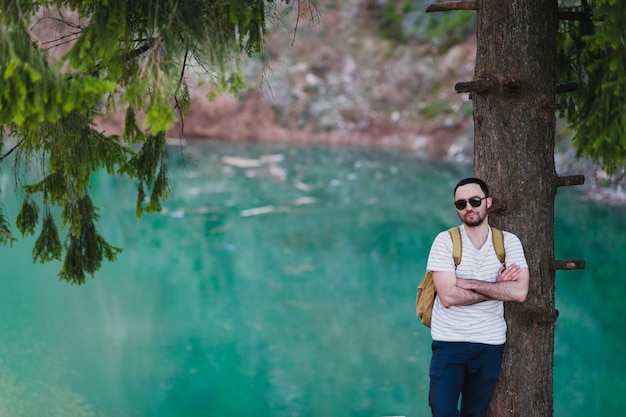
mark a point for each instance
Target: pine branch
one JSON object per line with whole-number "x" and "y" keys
{"x": 19, "y": 142}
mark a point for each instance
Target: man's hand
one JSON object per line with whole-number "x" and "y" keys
{"x": 510, "y": 273}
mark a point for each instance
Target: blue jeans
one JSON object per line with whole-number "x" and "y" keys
{"x": 466, "y": 370}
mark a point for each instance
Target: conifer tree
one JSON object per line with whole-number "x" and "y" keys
{"x": 135, "y": 53}
{"x": 528, "y": 51}
{"x": 592, "y": 52}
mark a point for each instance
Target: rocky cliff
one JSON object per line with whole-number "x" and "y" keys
{"x": 332, "y": 80}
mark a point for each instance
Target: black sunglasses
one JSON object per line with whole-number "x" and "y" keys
{"x": 474, "y": 202}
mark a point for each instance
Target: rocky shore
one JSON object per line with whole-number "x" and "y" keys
{"x": 334, "y": 82}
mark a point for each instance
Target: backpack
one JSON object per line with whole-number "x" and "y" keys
{"x": 426, "y": 290}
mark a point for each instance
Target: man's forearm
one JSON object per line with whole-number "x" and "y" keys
{"x": 462, "y": 297}
{"x": 503, "y": 291}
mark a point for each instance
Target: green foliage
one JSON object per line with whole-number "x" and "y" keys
{"x": 592, "y": 52}
{"x": 48, "y": 245}
{"x": 85, "y": 247}
{"x": 137, "y": 54}
{"x": 406, "y": 20}
{"x": 28, "y": 216}
{"x": 150, "y": 167}
{"x": 33, "y": 91}
{"x": 5, "y": 230}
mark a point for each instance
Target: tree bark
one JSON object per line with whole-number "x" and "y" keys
{"x": 514, "y": 128}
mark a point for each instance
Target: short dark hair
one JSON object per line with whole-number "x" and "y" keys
{"x": 472, "y": 180}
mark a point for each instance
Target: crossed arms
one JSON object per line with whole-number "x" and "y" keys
{"x": 511, "y": 285}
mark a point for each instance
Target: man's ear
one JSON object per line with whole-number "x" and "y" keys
{"x": 489, "y": 202}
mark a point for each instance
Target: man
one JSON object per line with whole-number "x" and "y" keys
{"x": 468, "y": 327}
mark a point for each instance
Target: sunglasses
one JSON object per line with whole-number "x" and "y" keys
{"x": 474, "y": 202}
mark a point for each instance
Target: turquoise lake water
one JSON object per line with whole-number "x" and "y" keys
{"x": 285, "y": 288}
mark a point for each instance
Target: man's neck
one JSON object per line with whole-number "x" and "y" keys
{"x": 477, "y": 234}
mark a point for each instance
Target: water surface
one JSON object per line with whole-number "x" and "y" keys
{"x": 281, "y": 283}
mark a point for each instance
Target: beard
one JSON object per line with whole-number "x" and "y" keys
{"x": 477, "y": 221}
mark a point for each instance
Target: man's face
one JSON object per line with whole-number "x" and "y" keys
{"x": 471, "y": 216}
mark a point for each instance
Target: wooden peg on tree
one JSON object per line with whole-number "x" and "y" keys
{"x": 452, "y": 5}
{"x": 539, "y": 317}
{"x": 569, "y": 264}
{"x": 475, "y": 86}
{"x": 568, "y": 180}
{"x": 574, "y": 15}
{"x": 566, "y": 87}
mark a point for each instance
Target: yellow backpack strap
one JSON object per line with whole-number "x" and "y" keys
{"x": 457, "y": 245}
{"x": 498, "y": 244}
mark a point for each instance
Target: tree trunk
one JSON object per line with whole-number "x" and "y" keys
{"x": 515, "y": 125}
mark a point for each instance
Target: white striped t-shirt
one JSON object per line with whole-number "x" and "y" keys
{"x": 481, "y": 322}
